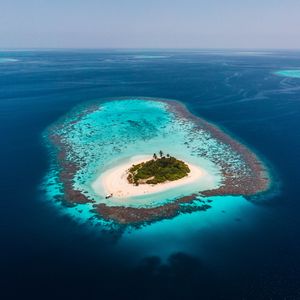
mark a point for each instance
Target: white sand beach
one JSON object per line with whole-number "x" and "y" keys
{"x": 114, "y": 181}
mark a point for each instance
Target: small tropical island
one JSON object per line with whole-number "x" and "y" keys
{"x": 111, "y": 170}
{"x": 158, "y": 170}
{"x": 145, "y": 175}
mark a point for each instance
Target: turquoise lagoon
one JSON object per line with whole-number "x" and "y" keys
{"x": 8, "y": 60}
{"x": 103, "y": 134}
{"x": 289, "y": 73}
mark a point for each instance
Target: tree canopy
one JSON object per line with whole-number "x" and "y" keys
{"x": 158, "y": 170}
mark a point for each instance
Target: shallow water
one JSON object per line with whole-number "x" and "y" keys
{"x": 289, "y": 73}
{"x": 177, "y": 235}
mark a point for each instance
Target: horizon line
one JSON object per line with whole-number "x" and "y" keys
{"x": 146, "y": 48}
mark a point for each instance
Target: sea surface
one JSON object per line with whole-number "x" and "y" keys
{"x": 238, "y": 249}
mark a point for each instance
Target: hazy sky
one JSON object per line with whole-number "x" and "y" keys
{"x": 150, "y": 24}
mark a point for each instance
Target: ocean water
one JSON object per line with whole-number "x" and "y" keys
{"x": 238, "y": 249}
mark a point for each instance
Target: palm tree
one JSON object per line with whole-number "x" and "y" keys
{"x": 155, "y": 156}
{"x": 161, "y": 153}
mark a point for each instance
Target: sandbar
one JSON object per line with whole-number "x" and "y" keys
{"x": 114, "y": 180}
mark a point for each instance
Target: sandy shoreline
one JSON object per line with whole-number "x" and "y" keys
{"x": 115, "y": 181}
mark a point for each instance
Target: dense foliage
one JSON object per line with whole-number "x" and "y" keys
{"x": 158, "y": 170}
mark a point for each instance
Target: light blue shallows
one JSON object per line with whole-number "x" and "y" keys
{"x": 114, "y": 131}
{"x": 289, "y": 73}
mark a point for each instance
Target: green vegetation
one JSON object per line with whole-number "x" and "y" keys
{"x": 158, "y": 170}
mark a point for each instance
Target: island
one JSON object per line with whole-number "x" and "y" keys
{"x": 145, "y": 175}
{"x": 158, "y": 170}
{"x": 105, "y": 158}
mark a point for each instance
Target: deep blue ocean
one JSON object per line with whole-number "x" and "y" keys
{"x": 44, "y": 254}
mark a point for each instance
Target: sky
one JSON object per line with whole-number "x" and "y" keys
{"x": 150, "y": 24}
